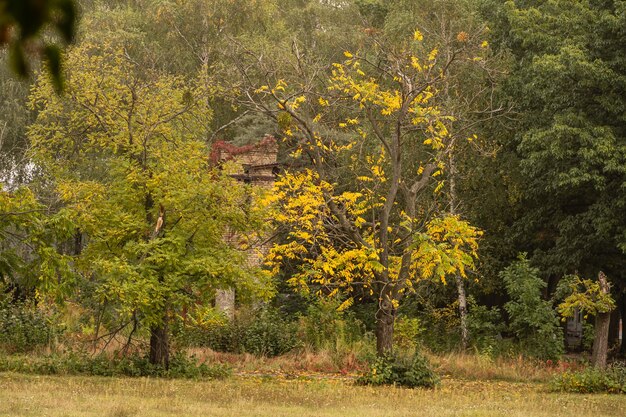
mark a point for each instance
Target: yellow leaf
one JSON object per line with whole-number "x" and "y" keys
{"x": 346, "y": 304}
{"x": 415, "y": 63}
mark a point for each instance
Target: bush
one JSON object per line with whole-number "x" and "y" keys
{"x": 532, "y": 319}
{"x": 263, "y": 332}
{"x": 270, "y": 334}
{"x": 592, "y": 380}
{"x": 325, "y": 327}
{"x": 24, "y": 327}
{"x": 485, "y": 327}
{"x": 132, "y": 366}
{"x": 405, "y": 333}
{"x": 408, "y": 371}
{"x": 440, "y": 328}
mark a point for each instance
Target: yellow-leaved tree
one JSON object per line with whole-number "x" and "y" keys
{"x": 360, "y": 220}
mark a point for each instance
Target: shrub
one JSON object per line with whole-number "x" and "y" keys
{"x": 407, "y": 371}
{"x": 592, "y": 380}
{"x": 326, "y": 327}
{"x": 337, "y": 334}
{"x": 485, "y": 327}
{"x": 132, "y": 366}
{"x": 532, "y": 319}
{"x": 24, "y": 327}
{"x": 441, "y": 327}
{"x": 264, "y": 332}
{"x": 406, "y": 331}
{"x": 270, "y": 334}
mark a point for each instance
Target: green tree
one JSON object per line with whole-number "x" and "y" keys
{"x": 124, "y": 147}
{"x": 568, "y": 81}
{"x": 589, "y": 297}
{"x": 532, "y": 319}
{"x": 28, "y": 231}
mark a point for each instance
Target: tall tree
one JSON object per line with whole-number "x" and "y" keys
{"x": 124, "y": 147}
{"x": 569, "y": 83}
{"x": 14, "y": 117}
{"x": 376, "y": 114}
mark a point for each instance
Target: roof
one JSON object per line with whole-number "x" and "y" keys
{"x": 223, "y": 151}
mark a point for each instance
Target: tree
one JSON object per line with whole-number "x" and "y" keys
{"x": 532, "y": 319}
{"x": 28, "y": 232}
{"x": 14, "y": 117}
{"x": 206, "y": 32}
{"x": 124, "y": 147}
{"x": 568, "y": 80}
{"x": 589, "y": 297}
{"x": 373, "y": 235}
{"x": 467, "y": 93}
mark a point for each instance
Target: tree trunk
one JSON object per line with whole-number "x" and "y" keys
{"x": 601, "y": 337}
{"x": 600, "y": 341}
{"x": 614, "y": 327}
{"x": 622, "y": 307}
{"x": 78, "y": 242}
{"x": 384, "y": 331}
{"x": 160, "y": 346}
{"x": 460, "y": 285}
{"x": 462, "y": 311}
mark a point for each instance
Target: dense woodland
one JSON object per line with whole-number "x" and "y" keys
{"x": 450, "y": 177}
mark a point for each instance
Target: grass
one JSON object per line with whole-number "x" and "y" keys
{"x": 299, "y": 361}
{"x": 27, "y": 395}
{"x": 513, "y": 369}
{"x": 454, "y": 365}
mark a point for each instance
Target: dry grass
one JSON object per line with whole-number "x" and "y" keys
{"x": 120, "y": 397}
{"x": 452, "y": 365}
{"x": 296, "y": 362}
{"x": 477, "y": 367}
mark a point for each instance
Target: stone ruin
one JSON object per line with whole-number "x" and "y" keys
{"x": 259, "y": 168}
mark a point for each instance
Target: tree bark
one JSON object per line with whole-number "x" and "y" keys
{"x": 78, "y": 242}
{"x": 159, "y": 334}
{"x": 462, "y": 311}
{"x": 601, "y": 337}
{"x": 622, "y": 308}
{"x": 460, "y": 285}
{"x": 385, "y": 318}
{"x": 160, "y": 346}
{"x": 614, "y": 327}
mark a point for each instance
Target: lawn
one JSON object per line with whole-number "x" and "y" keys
{"x": 28, "y": 395}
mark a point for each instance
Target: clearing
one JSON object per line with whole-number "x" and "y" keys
{"x": 28, "y": 395}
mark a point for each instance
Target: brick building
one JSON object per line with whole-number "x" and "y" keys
{"x": 259, "y": 168}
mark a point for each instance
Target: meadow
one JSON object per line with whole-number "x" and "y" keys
{"x": 278, "y": 396}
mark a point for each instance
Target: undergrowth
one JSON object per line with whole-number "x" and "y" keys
{"x": 180, "y": 366}
{"x": 407, "y": 371}
{"x": 592, "y": 380}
